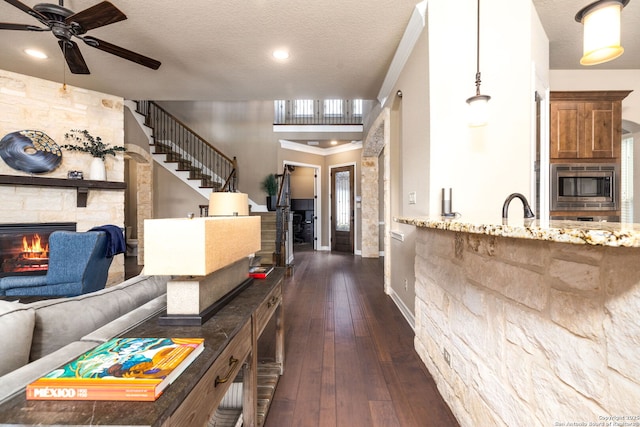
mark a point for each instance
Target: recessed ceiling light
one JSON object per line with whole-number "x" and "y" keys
{"x": 334, "y": 142}
{"x": 281, "y": 54}
{"x": 36, "y": 53}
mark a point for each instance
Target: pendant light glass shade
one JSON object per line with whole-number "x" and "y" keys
{"x": 601, "y": 39}
{"x": 478, "y": 110}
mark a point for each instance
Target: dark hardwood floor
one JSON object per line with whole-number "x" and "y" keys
{"x": 349, "y": 352}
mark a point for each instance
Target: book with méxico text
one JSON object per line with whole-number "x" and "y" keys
{"x": 260, "y": 272}
{"x": 119, "y": 369}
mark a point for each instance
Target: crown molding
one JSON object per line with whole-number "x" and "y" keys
{"x": 411, "y": 34}
{"x": 317, "y": 128}
{"x": 295, "y": 146}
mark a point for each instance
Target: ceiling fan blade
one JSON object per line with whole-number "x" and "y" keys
{"x": 122, "y": 52}
{"x": 23, "y": 7}
{"x": 101, "y": 14}
{"x": 22, "y": 27}
{"x": 74, "y": 58}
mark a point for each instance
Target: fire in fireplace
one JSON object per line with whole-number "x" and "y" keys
{"x": 24, "y": 248}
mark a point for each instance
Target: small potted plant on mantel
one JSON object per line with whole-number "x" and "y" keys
{"x": 270, "y": 186}
{"x": 87, "y": 143}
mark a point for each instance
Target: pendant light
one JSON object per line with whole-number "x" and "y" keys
{"x": 478, "y": 104}
{"x": 601, "y": 39}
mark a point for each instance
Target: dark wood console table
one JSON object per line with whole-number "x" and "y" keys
{"x": 230, "y": 344}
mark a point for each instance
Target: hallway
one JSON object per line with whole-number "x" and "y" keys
{"x": 349, "y": 352}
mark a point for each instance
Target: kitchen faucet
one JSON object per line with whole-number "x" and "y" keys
{"x": 527, "y": 209}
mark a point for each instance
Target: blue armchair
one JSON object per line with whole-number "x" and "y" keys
{"x": 78, "y": 264}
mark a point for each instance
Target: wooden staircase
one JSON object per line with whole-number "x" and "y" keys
{"x": 268, "y": 237}
{"x": 194, "y": 157}
{"x": 195, "y": 173}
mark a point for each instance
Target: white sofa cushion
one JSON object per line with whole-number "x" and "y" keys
{"x": 64, "y": 320}
{"x": 15, "y": 381}
{"x": 16, "y": 331}
{"x": 128, "y": 321}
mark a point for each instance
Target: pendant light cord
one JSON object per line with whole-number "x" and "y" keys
{"x": 478, "y": 52}
{"x": 64, "y": 74}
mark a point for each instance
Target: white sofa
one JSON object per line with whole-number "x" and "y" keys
{"x": 38, "y": 337}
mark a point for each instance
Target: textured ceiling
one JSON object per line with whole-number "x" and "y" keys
{"x": 222, "y": 50}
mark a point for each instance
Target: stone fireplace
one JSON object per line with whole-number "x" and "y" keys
{"x": 30, "y": 103}
{"x": 24, "y": 248}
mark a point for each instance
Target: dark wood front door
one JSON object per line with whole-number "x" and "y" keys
{"x": 342, "y": 209}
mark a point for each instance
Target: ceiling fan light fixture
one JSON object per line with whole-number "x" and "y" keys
{"x": 36, "y": 53}
{"x": 601, "y": 32}
{"x": 64, "y": 91}
{"x": 65, "y": 24}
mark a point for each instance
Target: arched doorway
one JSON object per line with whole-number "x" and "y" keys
{"x": 372, "y": 153}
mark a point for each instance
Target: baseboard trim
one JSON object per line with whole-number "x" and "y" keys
{"x": 406, "y": 313}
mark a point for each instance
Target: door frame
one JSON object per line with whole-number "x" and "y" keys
{"x": 317, "y": 184}
{"x": 355, "y": 202}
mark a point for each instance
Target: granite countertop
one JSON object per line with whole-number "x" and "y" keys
{"x": 614, "y": 234}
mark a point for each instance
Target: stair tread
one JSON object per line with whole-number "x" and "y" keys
{"x": 173, "y": 152}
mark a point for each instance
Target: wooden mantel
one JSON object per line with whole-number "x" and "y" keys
{"x": 81, "y": 185}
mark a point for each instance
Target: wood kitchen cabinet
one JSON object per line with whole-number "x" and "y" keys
{"x": 586, "y": 125}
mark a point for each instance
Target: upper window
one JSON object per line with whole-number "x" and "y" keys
{"x": 303, "y": 108}
{"x": 333, "y": 107}
{"x": 356, "y": 107}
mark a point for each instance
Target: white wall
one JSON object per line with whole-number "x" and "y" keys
{"x": 240, "y": 129}
{"x": 173, "y": 198}
{"x": 303, "y": 183}
{"x": 432, "y": 146}
{"x": 482, "y": 165}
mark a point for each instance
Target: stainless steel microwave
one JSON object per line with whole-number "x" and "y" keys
{"x": 584, "y": 187}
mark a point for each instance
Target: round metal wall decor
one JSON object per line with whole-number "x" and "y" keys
{"x": 30, "y": 151}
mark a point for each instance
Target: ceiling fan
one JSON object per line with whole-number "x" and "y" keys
{"x": 65, "y": 24}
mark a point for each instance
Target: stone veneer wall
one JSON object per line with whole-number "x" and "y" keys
{"x": 538, "y": 333}
{"x": 31, "y": 103}
{"x": 370, "y": 246}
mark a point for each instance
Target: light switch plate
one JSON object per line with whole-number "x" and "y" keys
{"x": 412, "y": 198}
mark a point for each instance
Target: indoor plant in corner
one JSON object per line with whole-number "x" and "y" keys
{"x": 87, "y": 143}
{"x": 270, "y": 186}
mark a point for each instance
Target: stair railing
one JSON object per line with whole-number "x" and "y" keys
{"x": 284, "y": 239}
{"x": 191, "y": 151}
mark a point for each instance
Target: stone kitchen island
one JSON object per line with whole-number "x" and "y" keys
{"x": 530, "y": 325}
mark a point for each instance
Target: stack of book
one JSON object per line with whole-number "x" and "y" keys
{"x": 260, "y": 271}
{"x": 137, "y": 369}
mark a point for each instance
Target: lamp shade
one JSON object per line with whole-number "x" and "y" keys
{"x": 601, "y": 38}
{"x": 198, "y": 246}
{"x": 225, "y": 203}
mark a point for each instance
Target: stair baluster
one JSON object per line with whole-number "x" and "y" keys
{"x": 188, "y": 150}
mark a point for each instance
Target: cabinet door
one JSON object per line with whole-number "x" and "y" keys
{"x": 567, "y": 130}
{"x": 602, "y": 130}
